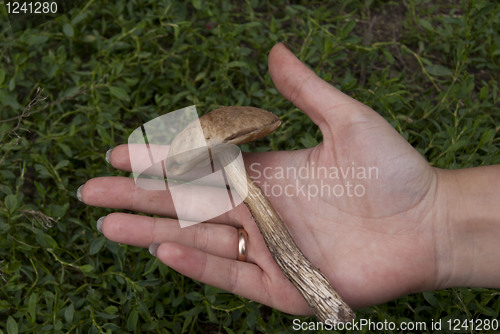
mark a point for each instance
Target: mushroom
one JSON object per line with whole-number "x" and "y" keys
{"x": 239, "y": 125}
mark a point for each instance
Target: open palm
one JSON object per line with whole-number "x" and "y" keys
{"x": 364, "y": 213}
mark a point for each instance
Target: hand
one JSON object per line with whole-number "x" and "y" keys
{"x": 374, "y": 243}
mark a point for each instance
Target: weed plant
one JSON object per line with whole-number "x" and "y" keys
{"x": 75, "y": 86}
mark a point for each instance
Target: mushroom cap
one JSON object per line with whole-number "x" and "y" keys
{"x": 226, "y": 125}
{"x": 237, "y": 125}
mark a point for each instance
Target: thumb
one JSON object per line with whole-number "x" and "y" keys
{"x": 322, "y": 102}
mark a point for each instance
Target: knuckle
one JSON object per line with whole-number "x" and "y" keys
{"x": 203, "y": 268}
{"x": 297, "y": 89}
{"x": 200, "y": 237}
{"x": 233, "y": 273}
{"x": 152, "y": 233}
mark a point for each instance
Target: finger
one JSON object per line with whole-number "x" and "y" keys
{"x": 137, "y": 158}
{"x": 241, "y": 278}
{"x": 119, "y": 158}
{"x": 142, "y": 231}
{"x": 142, "y": 158}
{"x": 300, "y": 85}
{"x": 194, "y": 204}
{"x": 149, "y": 160}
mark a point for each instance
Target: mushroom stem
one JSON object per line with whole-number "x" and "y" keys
{"x": 311, "y": 283}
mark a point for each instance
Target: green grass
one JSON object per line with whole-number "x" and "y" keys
{"x": 432, "y": 70}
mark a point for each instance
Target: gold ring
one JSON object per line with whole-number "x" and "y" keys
{"x": 242, "y": 244}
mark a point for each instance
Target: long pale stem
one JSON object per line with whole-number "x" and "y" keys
{"x": 311, "y": 283}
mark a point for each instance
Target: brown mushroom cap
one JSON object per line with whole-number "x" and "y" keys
{"x": 227, "y": 125}
{"x": 237, "y": 125}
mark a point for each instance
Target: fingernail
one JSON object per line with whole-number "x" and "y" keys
{"x": 108, "y": 156}
{"x": 79, "y": 193}
{"x": 153, "y": 248}
{"x": 99, "y": 223}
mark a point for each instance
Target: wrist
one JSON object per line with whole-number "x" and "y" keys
{"x": 467, "y": 233}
